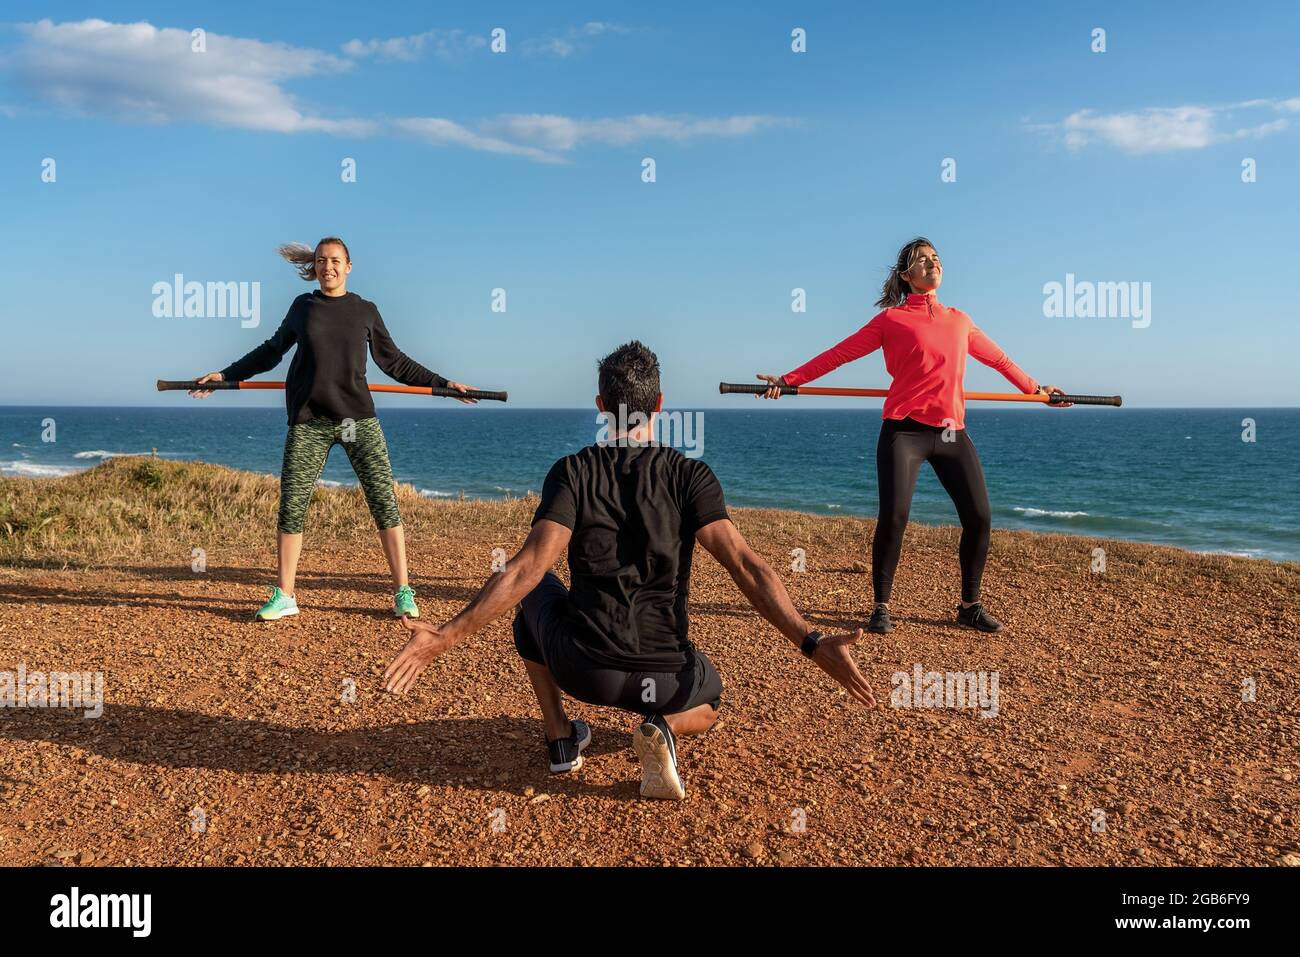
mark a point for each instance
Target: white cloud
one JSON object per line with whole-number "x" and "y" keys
{"x": 595, "y": 28}
{"x": 1254, "y": 132}
{"x": 138, "y": 72}
{"x": 1163, "y": 129}
{"x": 546, "y": 137}
{"x": 565, "y": 133}
{"x": 1148, "y": 131}
{"x": 445, "y": 44}
{"x": 141, "y": 73}
{"x": 572, "y": 40}
{"x": 443, "y": 132}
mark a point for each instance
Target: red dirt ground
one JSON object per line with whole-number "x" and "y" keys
{"x": 1120, "y": 692}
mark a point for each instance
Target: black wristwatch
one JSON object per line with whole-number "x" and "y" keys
{"x": 810, "y": 643}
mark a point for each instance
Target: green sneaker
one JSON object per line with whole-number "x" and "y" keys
{"x": 404, "y": 603}
{"x": 280, "y": 605}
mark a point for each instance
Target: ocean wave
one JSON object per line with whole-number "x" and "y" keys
{"x": 434, "y": 493}
{"x": 1119, "y": 526}
{"x": 101, "y": 454}
{"x": 1235, "y": 553}
{"x": 1046, "y": 513}
{"x": 330, "y": 483}
{"x": 35, "y": 470}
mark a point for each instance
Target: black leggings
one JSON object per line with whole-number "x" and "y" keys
{"x": 904, "y": 444}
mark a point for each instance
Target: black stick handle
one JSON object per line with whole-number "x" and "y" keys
{"x": 166, "y": 385}
{"x": 744, "y": 388}
{"x": 1115, "y": 400}
{"x": 471, "y": 394}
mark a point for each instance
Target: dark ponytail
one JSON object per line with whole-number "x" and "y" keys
{"x": 896, "y": 288}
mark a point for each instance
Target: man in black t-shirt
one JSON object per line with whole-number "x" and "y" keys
{"x": 629, "y": 513}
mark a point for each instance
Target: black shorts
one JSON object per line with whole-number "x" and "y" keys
{"x": 542, "y": 636}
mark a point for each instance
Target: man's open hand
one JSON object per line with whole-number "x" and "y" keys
{"x": 426, "y": 643}
{"x": 832, "y": 656}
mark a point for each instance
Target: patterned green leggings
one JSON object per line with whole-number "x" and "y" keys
{"x": 306, "y": 448}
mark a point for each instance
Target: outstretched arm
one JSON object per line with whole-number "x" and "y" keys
{"x": 402, "y": 367}
{"x": 397, "y": 363}
{"x": 503, "y": 591}
{"x": 863, "y": 342}
{"x": 988, "y": 352}
{"x": 766, "y": 592}
{"x": 265, "y": 357}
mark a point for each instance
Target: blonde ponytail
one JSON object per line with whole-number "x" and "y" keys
{"x": 303, "y": 257}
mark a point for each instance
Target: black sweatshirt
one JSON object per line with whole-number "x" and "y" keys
{"x": 327, "y": 377}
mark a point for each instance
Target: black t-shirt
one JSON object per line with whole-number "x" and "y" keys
{"x": 634, "y": 512}
{"x": 327, "y": 377}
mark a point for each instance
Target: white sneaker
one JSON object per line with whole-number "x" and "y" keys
{"x": 654, "y": 745}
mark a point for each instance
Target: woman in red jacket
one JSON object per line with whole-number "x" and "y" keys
{"x": 925, "y": 345}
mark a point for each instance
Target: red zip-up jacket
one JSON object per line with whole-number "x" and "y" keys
{"x": 925, "y": 344}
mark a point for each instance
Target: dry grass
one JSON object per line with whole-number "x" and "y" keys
{"x": 137, "y": 507}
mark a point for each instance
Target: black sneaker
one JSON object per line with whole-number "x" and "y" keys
{"x": 880, "y": 623}
{"x": 976, "y": 617}
{"x": 566, "y": 753}
{"x": 654, "y": 745}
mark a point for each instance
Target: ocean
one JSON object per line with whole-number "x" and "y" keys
{"x": 1181, "y": 477}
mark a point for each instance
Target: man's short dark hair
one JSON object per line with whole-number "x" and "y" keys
{"x": 629, "y": 376}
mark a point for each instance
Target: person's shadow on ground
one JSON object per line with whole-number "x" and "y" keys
{"x": 501, "y": 753}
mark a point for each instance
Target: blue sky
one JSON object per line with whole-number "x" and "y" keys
{"x": 775, "y": 170}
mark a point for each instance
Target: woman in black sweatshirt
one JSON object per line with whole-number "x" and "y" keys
{"x": 329, "y": 403}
